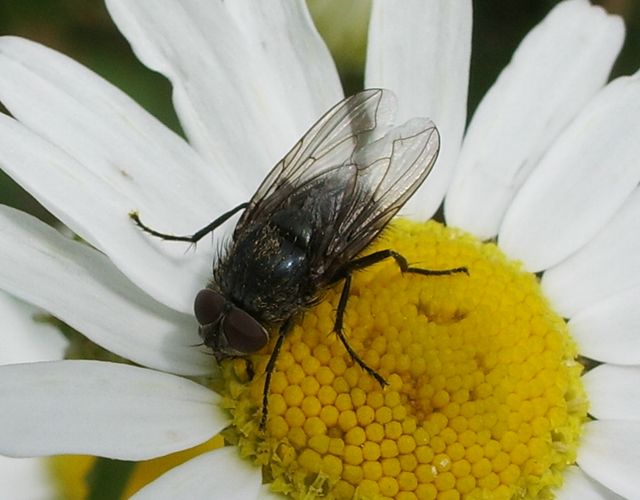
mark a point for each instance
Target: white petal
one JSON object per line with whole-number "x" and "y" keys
{"x": 582, "y": 181}
{"x": 23, "y": 339}
{"x": 81, "y": 287}
{"x": 248, "y": 77}
{"x": 578, "y": 486}
{"x": 26, "y": 479}
{"x": 614, "y": 392}
{"x": 217, "y": 474}
{"x": 607, "y": 265}
{"x": 608, "y": 330}
{"x": 556, "y": 69}
{"x": 105, "y": 409}
{"x": 116, "y": 158}
{"x": 421, "y": 51}
{"x": 610, "y": 453}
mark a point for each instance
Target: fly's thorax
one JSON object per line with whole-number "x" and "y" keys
{"x": 264, "y": 273}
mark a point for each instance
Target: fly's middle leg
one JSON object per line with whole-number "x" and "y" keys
{"x": 362, "y": 263}
{"x": 337, "y": 328}
{"x": 403, "y": 264}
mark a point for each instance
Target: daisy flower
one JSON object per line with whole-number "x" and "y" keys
{"x": 488, "y": 391}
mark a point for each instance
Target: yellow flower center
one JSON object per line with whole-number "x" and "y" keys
{"x": 484, "y": 397}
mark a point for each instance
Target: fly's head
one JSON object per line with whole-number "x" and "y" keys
{"x": 228, "y": 330}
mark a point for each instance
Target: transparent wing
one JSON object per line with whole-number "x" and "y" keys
{"x": 347, "y": 177}
{"x": 327, "y": 146}
{"x": 387, "y": 173}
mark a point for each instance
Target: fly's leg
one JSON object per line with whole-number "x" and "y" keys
{"x": 337, "y": 327}
{"x": 362, "y": 263}
{"x": 251, "y": 372}
{"x": 271, "y": 366}
{"x": 374, "y": 258}
{"x": 195, "y": 237}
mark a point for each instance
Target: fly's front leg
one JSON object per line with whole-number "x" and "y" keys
{"x": 195, "y": 237}
{"x": 271, "y": 366}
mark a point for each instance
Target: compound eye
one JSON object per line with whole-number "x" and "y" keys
{"x": 244, "y": 334}
{"x": 208, "y": 306}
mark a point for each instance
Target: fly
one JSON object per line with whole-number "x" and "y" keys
{"x": 304, "y": 229}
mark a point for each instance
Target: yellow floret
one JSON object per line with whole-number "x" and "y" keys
{"x": 482, "y": 383}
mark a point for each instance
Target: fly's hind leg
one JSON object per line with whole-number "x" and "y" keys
{"x": 193, "y": 238}
{"x": 362, "y": 263}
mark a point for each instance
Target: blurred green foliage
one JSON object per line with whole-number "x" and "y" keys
{"x": 83, "y": 30}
